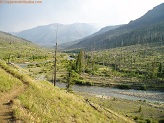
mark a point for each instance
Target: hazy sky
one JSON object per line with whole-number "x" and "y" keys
{"x": 16, "y": 17}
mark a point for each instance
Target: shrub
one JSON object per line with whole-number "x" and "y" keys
{"x": 143, "y": 87}
{"x": 123, "y": 86}
{"x": 30, "y": 65}
{"x": 148, "y": 121}
{"x": 38, "y": 65}
{"x": 135, "y": 118}
{"x": 140, "y": 109}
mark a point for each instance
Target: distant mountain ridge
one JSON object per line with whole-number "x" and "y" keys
{"x": 101, "y": 31}
{"x": 146, "y": 29}
{"x": 46, "y": 35}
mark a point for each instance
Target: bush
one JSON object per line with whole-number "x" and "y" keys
{"x": 140, "y": 109}
{"x": 82, "y": 82}
{"x": 148, "y": 121}
{"x": 123, "y": 86}
{"x": 30, "y": 65}
{"x": 141, "y": 121}
{"x": 135, "y": 118}
{"x": 39, "y": 65}
{"x": 143, "y": 87}
{"x": 88, "y": 71}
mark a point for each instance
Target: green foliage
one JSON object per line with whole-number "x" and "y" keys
{"x": 123, "y": 86}
{"x": 140, "y": 109}
{"x": 143, "y": 87}
{"x": 72, "y": 75}
{"x": 8, "y": 82}
{"x": 39, "y": 65}
{"x": 137, "y": 63}
{"x": 30, "y": 65}
{"x": 79, "y": 62}
{"x": 148, "y": 121}
{"x": 16, "y": 49}
{"x": 160, "y": 71}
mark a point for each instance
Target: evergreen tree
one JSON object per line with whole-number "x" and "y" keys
{"x": 154, "y": 69}
{"x": 79, "y": 62}
{"x": 70, "y": 82}
{"x": 160, "y": 71}
{"x": 71, "y": 76}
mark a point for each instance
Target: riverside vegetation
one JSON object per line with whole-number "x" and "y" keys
{"x": 133, "y": 67}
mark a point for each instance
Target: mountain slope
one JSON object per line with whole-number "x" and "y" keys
{"x": 106, "y": 29}
{"x": 42, "y": 102}
{"x": 101, "y": 31}
{"x": 146, "y": 29}
{"x": 46, "y": 35}
{"x": 18, "y": 48}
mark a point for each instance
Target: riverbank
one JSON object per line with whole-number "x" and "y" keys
{"x": 150, "y": 96}
{"x": 122, "y": 83}
{"x": 139, "y": 111}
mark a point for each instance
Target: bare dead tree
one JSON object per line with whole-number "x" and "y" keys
{"x": 55, "y": 58}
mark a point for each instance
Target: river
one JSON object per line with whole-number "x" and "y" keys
{"x": 150, "y": 96}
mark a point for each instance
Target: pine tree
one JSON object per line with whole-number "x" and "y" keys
{"x": 140, "y": 109}
{"x": 160, "y": 71}
{"x": 79, "y": 62}
{"x": 71, "y": 76}
{"x": 153, "y": 69}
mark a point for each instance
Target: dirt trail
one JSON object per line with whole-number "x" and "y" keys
{"x": 6, "y": 100}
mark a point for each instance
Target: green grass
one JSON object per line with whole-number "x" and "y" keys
{"x": 17, "y": 49}
{"x": 8, "y": 82}
{"x": 42, "y": 102}
{"x": 152, "y": 111}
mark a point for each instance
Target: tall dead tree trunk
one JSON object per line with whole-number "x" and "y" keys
{"x": 55, "y": 62}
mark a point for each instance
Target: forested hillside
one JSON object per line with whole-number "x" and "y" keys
{"x": 146, "y": 29}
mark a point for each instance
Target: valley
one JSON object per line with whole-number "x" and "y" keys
{"x": 73, "y": 73}
{"x": 98, "y": 70}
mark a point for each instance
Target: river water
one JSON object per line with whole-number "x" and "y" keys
{"x": 150, "y": 96}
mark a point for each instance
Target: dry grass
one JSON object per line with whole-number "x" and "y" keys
{"x": 8, "y": 82}
{"x": 41, "y": 102}
{"x": 151, "y": 111}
